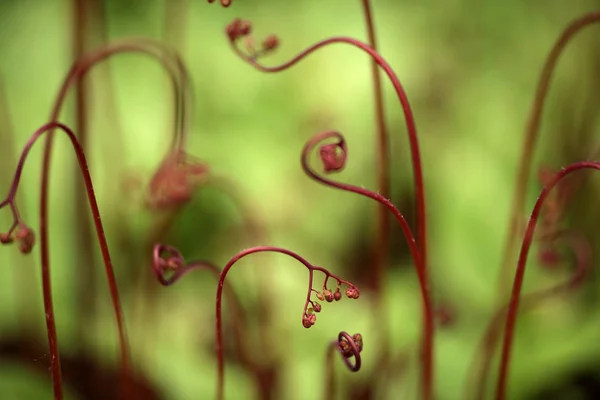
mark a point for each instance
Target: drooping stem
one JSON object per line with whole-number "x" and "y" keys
{"x": 382, "y": 162}
{"x": 46, "y": 281}
{"x": 334, "y": 159}
{"x": 403, "y": 99}
{"x": 348, "y": 347}
{"x": 530, "y": 140}
{"x": 481, "y": 365}
{"x": 352, "y": 292}
{"x": 510, "y": 325}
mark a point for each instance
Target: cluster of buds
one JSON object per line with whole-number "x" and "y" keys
{"x": 333, "y": 157}
{"x": 23, "y": 234}
{"x": 329, "y": 296}
{"x": 239, "y": 29}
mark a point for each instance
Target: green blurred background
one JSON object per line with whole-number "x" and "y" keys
{"x": 469, "y": 68}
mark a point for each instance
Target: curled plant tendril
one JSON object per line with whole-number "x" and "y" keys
{"x": 349, "y": 347}
{"x": 513, "y": 306}
{"x": 310, "y": 306}
{"x": 176, "y": 180}
{"x": 480, "y": 367}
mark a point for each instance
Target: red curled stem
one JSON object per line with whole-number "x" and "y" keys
{"x": 513, "y": 306}
{"x": 408, "y": 115}
{"x": 219, "y": 325}
{"x": 480, "y": 367}
{"x": 428, "y": 312}
{"x": 46, "y": 282}
{"x": 347, "y": 347}
{"x": 530, "y": 139}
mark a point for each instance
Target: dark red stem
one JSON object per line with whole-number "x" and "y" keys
{"x": 513, "y": 306}
{"x": 382, "y": 161}
{"x": 481, "y": 365}
{"x": 46, "y": 285}
{"x": 219, "y": 328}
{"x": 428, "y": 312}
{"x": 531, "y": 135}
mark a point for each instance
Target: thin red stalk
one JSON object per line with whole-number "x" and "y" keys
{"x": 336, "y": 347}
{"x": 260, "y": 249}
{"x": 481, "y": 365}
{"x": 511, "y": 319}
{"x": 86, "y": 289}
{"x": 46, "y": 281}
{"x": 382, "y": 163}
{"x": 530, "y": 140}
{"x": 428, "y": 311}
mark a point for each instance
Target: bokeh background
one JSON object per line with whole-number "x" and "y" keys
{"x": 469, "y": 68}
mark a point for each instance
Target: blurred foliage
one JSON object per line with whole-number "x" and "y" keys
{"x": 469, "y": 68}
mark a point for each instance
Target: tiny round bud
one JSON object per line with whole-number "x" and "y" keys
{"x": 320, "y": 296}
{"x": 317, "y": 307}
{"x": 245, "y": 28}
{"x": 6, "y": 238}
{"x": 358, "y": 340}
{"x": 333, "y": 157}
{"x": 309, "y": 320}
{"x": 26, "y": 238}
{"x": 270, "y": 43}
{"x": 337, "y": 295}
{"x": 352, "y": 293}
{"x": 328, "y": 295}
{"x": 309, "y": 311}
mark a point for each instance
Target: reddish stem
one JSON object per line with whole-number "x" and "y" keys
{"x": 259, "y": 249}
{"x": 480, "y": 367}
{"x": 46, "y": 282}
{"x": 513, "y": 306}
{"x": 531, "y": 135}
{"x": 382, "y": 161}
{"x": 428, "y": 311}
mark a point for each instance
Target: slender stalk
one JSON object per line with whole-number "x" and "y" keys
{"x": 86, "y": 289}
{"x": 530, "y": 140}
{"x": 46, "y": 281}
{"x": 238, "y": 29}
{"x": 308, "y": 319}
{"x": 481, "y": 365}
{"x": 513, "y": 306}
{"x": 382, "y": 163}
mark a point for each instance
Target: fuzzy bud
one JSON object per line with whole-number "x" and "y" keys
{"x": 352, "y": 293}
{"x": 317, "y": 307}
{"x": 175, "y": 181}
{"x": 328, "y": 295}
{"x": 358, "y": 340}
{"x": 333, "y": 157}
{"x": 26, "y": 238}
{"x": 337, "y": 295}
{"x": 309, "y": 320}
{"x": 320, "y": 296}
{"x": 6, "y": 238}
{"x": 270, "y": 43}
